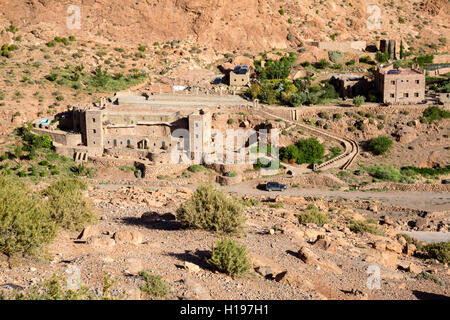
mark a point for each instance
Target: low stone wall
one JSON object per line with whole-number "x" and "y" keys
{"x": 69, "y": 151}
{"x": 61, "y": 137}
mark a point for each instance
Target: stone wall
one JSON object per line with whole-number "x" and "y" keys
{"x": 61, "y": 137}
{"x": 341, "y": 46}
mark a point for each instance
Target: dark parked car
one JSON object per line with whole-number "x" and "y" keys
{"x": 275, "y": 186}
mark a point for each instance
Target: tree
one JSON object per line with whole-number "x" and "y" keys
{"x": 380, "y": 145}
{"x": 402, "y": 50}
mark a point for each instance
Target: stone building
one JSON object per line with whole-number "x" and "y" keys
{"x": 349, "y": 85}
{"x": 129, "y": 126}
{"x": 240, "y": 76}
{"x": 444, "y": 97}
{"x": 400, "y": 86}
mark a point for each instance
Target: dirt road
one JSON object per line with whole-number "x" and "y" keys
{"x": 432, "y": 201}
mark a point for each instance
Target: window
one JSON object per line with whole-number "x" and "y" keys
{"x": 393, "y": 82}
{"x": 93, "y": 120}
{"x": 417, "y": 81}
{"x": 95, "y": 131}
{"x": 416, "y": 94}
{"x": 406, "y": 95}
{"x": 392, "y": 95}
{"x": 128, "y": 142}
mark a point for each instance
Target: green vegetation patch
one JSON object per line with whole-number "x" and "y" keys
{"x": 230, "y": 257}
{"x": 313, "y": 215}
{"x": 212, "y": 210}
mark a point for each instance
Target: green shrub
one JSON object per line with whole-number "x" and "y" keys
{"x": 427, "y": 172}
{"x": 434, "y": 113}
{"x": 439, "y": 251}
{"x": 51, "y": 289}
{"x": 365, "y": 226}
{"x": 322, "y": 64}
{"x": 358, "y": 101}
{"x": 82, "y": 171}
{"x": 312, "y": 215}
{"x": 387, "y": 174}
{"x": 428, "y": 276}
{"x": 196, "y": 168}
{"x": 335, "y": 56}
{"x": 304, "y": 151}
{"x": 154, "y": 285}
{"x": 67, "y": 205}
{"x": 25, "y": 224}
{"x": 229, "y": 257}
{"x": 210, "y": 209}
{"x": 380, "y": 145}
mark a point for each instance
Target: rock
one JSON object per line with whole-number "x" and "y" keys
{"x": 133, "y": 266}
{"x": 191, "y": 267}
{"x": 421, "y": 223}
{"x": 195, "y": 291}
{"x": 265, "y": 271}
{"x": 259, "y": 261}
{"x": 409, "y": 249}
{"x": 101, "y": 242}
{"x": 387, "y": 220}
{"x": 394, "y": 247}
{"x": 89, "y": 231}
{"x": 373, "y": 207}
{"x": 402, "y": 241}
{"x": 379, "y": 245}
{"x": 386, "y": 258}
{"x": 128, "y": 236}
{"x": 271, "y": 231}
{"x": 308, "y": 257}
{"x": 312, "y": 235}
{"x": 346, "y": 231}
{"x": 414, "y": 269}
{"x": 325, "y": 244}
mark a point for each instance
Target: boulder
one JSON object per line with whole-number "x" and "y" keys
{"x": 128, "y": 236}
{"x": 191, "y": 267}
{"x": 88, "y": 232}
{"x": 409, "y": 249}
{"x": 414, "y": 269}
{"x": 101, "y": 242}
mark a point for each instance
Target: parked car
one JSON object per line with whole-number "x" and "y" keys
{"x": 275, "y": 186}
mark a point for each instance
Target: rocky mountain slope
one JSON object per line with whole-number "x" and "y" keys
{"x": 249, "y": 25}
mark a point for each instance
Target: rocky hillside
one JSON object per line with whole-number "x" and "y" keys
{"x": 247, "y": 26}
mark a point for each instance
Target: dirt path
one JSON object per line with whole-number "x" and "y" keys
{"x": 430, "y": 201}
